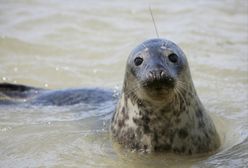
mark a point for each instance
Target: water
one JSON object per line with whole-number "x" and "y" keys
{"x": 66, "y": 44}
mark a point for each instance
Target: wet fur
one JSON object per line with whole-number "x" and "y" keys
{"x": 179, "y": 123}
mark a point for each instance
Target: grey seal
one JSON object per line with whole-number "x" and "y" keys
{"x": 159, "y": 109}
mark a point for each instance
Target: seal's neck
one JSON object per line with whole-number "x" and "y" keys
{"x": 140, "y": 124}
{"x": 134, "y": 112}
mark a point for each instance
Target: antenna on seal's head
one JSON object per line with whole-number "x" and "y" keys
{"x": 154, "y": 23}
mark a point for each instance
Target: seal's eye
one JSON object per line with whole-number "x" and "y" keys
{"x": 138, "y": 61}
{"x": 173, "y": 57}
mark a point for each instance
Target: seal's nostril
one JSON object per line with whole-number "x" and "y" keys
{"x": 156, "y": 74}
{"x": 150, "y": 75}
{"x": 162, "y": 74}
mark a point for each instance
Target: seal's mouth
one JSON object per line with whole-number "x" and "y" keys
{"x": 158, "y": 90}
{"x": 158, "y": 84}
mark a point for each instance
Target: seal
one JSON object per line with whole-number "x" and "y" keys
{"x": 159, "y": 109}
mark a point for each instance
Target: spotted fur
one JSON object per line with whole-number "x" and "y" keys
{"x": 177, "y": 122}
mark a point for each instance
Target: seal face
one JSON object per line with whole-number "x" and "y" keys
{"x": 159, "y": 109}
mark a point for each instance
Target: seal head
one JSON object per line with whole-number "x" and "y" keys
{"x": 154, "y": 68}
{"x": 159, "y": 108}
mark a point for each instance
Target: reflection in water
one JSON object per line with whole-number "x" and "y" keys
{"x": 85, "y": 44}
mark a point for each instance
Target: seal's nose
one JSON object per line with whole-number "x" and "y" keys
{"x": 159, "y": 78}
{"x": 157, "y": 74}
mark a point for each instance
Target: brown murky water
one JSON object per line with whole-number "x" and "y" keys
{"x": 64, "y": 44}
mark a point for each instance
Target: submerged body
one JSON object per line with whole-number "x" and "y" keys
{"x": 158, "y": 109}
{"x": 11, "y": 94}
